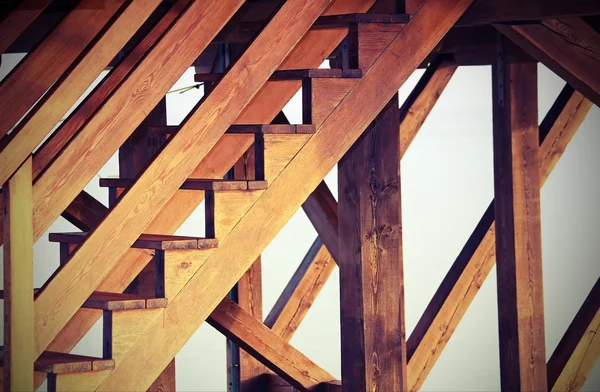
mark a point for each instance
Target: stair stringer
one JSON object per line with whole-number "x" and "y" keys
{"x": 253, "y": 233}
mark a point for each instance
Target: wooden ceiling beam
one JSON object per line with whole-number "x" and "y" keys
{"x": 13, "y": 25}
{"x": 569, "y": 47}
{"x": 223, "y": 268}
{"x": 477, "y": 258}
{"x": 64, "y": 94}
{"x": 37, "y": 72}
{"x": 579, "y": 349}
{"x": 254, "y": 337}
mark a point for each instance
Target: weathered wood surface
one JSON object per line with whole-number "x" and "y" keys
{"x": 18, "y": 20}
{"x": 287, "y": 192}
{"x": 33, "y": 76}
{"x": 18, "y": 281}
{"x": 477, "y": 258}
{"x": 370, "y": 259}
{"x": 256, "y": 338}
{"x": 322, "y": 210}
{"x": 579, "y": 349}
{"x": 518, "y": 226}
{"x": 63, "y": 95}
{"x": 569, "y": 47}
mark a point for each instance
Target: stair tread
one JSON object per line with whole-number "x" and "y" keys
{"x": 286, "y": 129}
{"x": 147, "y": 241}
{"x": 335, "y": 20}
{"x": 294, "y": 74}
{"x": 54, "y": 362}
{"x": 196, "y": 184}
{"x": 122, "y": 301}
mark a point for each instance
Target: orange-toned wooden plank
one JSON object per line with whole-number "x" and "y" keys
{"x": 63, "y": 95}
{"x": 108, "y": 129}
{"x": 569, "y": 47}
{"x": 19, "y": 352}
{"x": 474, "y": 263}
{"x": 227, "y": 264}
{"x": 172, "y": 166}
{"x": 32, "y": 77}
{"x": 518, "y": 226}
{"x": 255, "y": 337}
{"x": 579, "y": 349}
{"x": 18, "y": 20}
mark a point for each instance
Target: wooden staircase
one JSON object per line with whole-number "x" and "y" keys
{"x": 191, "y": 275}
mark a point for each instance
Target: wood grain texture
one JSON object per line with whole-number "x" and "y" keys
{"x": 301, "y": 291}
{"x": 477, "y": 258}
{"x": 76, "y": 382}
{"x": 579, "y": 349}
{"x": 370, "y": 259}
{"x": 518, "y": 227}
{"x": 33, "y": 76}
{"x": 57, "y": 363}
{"x": 64, "y": 94}
{"x": 322, "y": 210}
{"x": 206, "y": 289}
{"x": 255, "y": 337}
{"x": 422, "y": 100}
{"x": 569, "y": 47}
{"x": 18, "y": 281}
{"x": 146, "y": 241}
{"x": 108, "y": 129}
{"x": 18, "y": 20}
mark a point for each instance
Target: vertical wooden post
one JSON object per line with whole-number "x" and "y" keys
{"x": 370, "y": 252}
{"x": 18, "y": 281}
{"x": 518, "y": 230}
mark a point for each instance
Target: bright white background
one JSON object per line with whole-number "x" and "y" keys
{"x": 447, "y": 183}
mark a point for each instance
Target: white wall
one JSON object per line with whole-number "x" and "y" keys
{"x": 447, "y": 183}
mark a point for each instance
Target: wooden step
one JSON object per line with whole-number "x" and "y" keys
{"x": 257, "y": 129}
{"x": 339, "y": 20}
{"x": 147, "y": 241}
{"x": 195, "y": 184}
{"x": 117, "y": 301}
{"x": 294, "y": 74}
{"x": 58, "y": 363}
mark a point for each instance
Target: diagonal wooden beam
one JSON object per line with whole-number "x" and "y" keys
{"x": 51, "y": 58}
{"x": 301, "y": 291}
{"x": 321, "y": 209}
{"x": 579, "y": 349}
{"x": 18, "y": 20}
{"x": 41, "y": 119}
{"x": 477, "y": 258}
{"x": 569, "y": 47}
{"x": 223, "y": 268}
{"x": 254, "y": 337}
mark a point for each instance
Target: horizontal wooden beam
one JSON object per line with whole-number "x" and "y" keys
{"x": 569, "y": 47}
{"x": 579, "y": 349}
{"x": 254, "y": 337}
{"x": 477, "y": 258}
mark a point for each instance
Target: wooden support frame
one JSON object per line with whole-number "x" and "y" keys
{"x": 518, "y": 226}
{"x": 569, "y": 47}
{"x": 472, "y": 266}
{"x": 370, "y": 259}
{"x": 19, "y": 354}
{"x": 18, "y": 20}
{"x": 579, "y": 349}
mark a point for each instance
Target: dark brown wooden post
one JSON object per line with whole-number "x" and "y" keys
{"x": 370, "y": 252}
{"x": 518, "y": 231}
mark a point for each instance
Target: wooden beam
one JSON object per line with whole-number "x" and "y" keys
{"x": 569, "y": 47}
{"x": 477, "y": 258}
{"x": 301, "y": 291}
{"x": 518, "y": 226}
{"x": 579, "y": 349}
{"x": 204, "y": 290}
{"x": 260, "y": 341}
{"x": 64, "y": 94}
{"x": 496, "y": 11}
{"x": 322, "y": 210}
{"x": 110, "y": 241}
{"x": 18, "y": 20}
{"x": 18, "y": 282}
{"x": 370, "y": 259}
{"x": 35, "y": 74}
